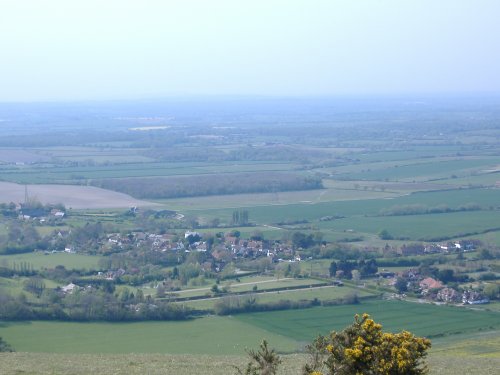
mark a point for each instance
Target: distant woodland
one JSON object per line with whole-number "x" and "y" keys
{"x": 201, "y": 185}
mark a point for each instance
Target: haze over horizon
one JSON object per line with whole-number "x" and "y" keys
{"x": 129, "y": 49}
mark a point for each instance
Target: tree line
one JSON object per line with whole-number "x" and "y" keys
{"x": 90, "y": 304}
{"x": 422, "y": 209}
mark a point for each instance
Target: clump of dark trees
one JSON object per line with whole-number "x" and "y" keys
{"x": 365, "y": 268}
{"x": 203, "y": 185}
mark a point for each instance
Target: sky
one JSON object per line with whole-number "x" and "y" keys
{"x": 136, "y": 49}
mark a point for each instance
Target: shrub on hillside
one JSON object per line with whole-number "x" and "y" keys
{"x": 361, "y": 348}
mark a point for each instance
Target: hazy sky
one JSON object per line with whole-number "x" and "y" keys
{"x": 104, "y": 49}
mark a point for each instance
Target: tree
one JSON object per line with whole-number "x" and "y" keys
{"x": 160, "y": 291}
{"x": 34, "y": 285}
{"x": 240, "y": 217}
{"x": 4, "y": 346}
{"x": 265, "y": 361}
{"x": 235, "y": 233}
{"x": 333, "y": 269}
{"x": 385, "y": 235}
{"x": 215, "y": 289}
{"x": 301, "y": 240}
{"x": 485, "y": 254}
{"x": 401, "y": 285}
{"x": 356, "y": 276}
{"x": 367, "y": 268}
{"x": 257, "y": 235}
{"x": 446, "y": 275}
{"x": 492, "y": 291}
{"x": 363, "y": 348}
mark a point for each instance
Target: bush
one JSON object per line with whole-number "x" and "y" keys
{"x": 4, "y": 347}
{"x": 361, "y": 348}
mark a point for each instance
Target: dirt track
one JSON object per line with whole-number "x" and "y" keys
{"x": 72, "y": 196}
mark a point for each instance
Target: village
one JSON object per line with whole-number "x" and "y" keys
{"x": 171, "y": 261}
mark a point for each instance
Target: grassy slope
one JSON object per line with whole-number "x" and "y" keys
{"x": 466, "y": 356}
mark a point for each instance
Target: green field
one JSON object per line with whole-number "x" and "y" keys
{"x": 210, "y": 335}
{"x": 273, "y": 199}
{"x": 285, "y": 330}
{"x": 62, "y": 174}
{"x": 420, "y": 227}
{"x": 309, "y": 294}
{"x": 361, "y": 218}
{"x": 313, "y": 211}
{"x": 41, "y": 260}
{"x": 423, "y": 170}
{"x": 420, "y": 318}
{"x": 248, "y": 285}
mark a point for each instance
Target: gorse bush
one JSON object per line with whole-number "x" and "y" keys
{"x": 360, "y": 349}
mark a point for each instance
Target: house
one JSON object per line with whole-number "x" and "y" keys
{"x": 112, "y": 275}
{"x": 191, "y": 234}
{"x": 472, "y": 297}
{"x": 69, "y": 288}
{"x": 430, "y": 283}
{"x": 57, "y": 213}
{"x": 385, "y": 274}
{"x": 412, "y": 249}
{"x": 449, "y": 295}
{"x": 231, "y": 240}
{"x": 432, "y": 249}
{"x": 200, "y": 246}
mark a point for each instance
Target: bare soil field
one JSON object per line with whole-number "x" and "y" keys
{"x": 12, "y": 156}
{"x": 72, "y": 196}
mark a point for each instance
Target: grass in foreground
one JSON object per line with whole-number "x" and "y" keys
{"x": 442, "y": 363}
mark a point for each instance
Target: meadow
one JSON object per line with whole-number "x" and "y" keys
{"x": 364, "y": 217}
{"x": 61, "y": 174}
{"x": 421, "y": 227}
{"x": 420, "y": 318}
{"x": 423, "y": 171}
{"x": 209, "y": 335}
{"x": 357, "y": 207}
{"x": 287, "y": 331}
{"x": 325, "y": 293}
{"x": 262, "y": 285}
{"x": 39, "y": 260}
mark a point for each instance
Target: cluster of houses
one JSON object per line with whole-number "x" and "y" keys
{"x": 467, "y": 297}
{"x": 435, "y": 290}
{"x": 40, "y": 214}
{"x": 225, "y": 246}
{"x": 437, "y": 248}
